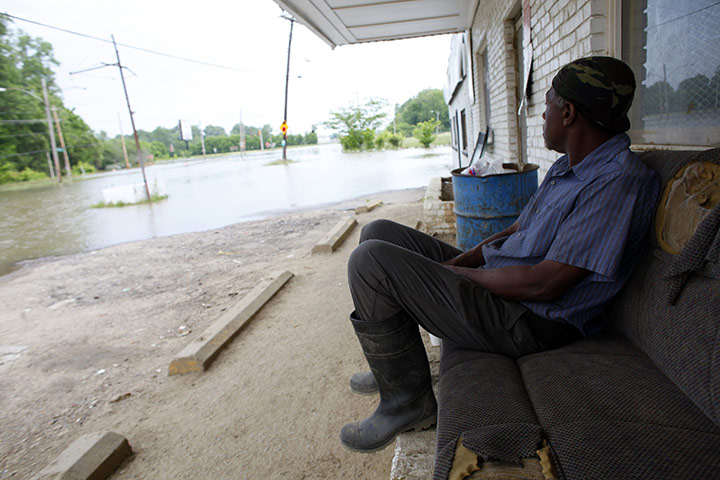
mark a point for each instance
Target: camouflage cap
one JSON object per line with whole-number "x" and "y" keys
{"x": 602, "y": 88}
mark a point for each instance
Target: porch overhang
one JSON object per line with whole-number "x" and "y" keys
{"x": 345, "y": 22}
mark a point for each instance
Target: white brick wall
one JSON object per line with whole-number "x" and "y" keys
{"x": 562, "y": 30}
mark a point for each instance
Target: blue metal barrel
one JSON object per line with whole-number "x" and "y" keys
{"x": 487, "y": 205}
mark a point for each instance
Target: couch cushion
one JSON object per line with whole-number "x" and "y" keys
{"x": 483, "y": 401}
{"x": 670, "y": 308}
{"x": 604, "y": 450}
{"x": 608, "y": 412}
{"x": 683, "y": 339}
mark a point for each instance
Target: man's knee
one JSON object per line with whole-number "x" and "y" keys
{"x": 363, "y": 256}
{"x": 377, "y": 230}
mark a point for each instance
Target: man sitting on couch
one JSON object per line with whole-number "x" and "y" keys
{"x": 538, "y": 285}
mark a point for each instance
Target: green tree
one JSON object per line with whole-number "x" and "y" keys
{"x": 387, "y": 138}
{"x": 403, "y": 128}
{"x": 694, "y": 93}
{"x": 427, "y": 105}
{"x": 158, "y": 150}
{"x": 24, "y": 62}
{"x": 657, "y": 97}
{"x": 214, "y": 131}
{"x": 82, "y": 144}
{"x": 425, "y": 132}
{"x": 357, "y": 124}
{"x": 310, "y": 138}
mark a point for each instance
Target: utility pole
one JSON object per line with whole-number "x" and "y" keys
{"x": 287, "y": 81}
{"x": 68, "y": 170}
{"x": 122, "y": 140}
{"x": 53, "y": 146}
{"x": 202, "y": 140}
{"x": 132, "y": 121}
{"x": 50, "y": 165}
{"x": 242, "y": 136}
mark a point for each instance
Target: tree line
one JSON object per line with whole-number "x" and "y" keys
{"x": 25, "y": 146}
{"x": 24, "y": 140}
{"x": 697, "y": 95}
{"x": 422, "y": 116}
{"x": 164, "y": 143}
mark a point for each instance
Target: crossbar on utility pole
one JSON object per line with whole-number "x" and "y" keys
{"x": 132, "y": 122}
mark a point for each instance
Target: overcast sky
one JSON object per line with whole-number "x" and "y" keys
{"x": 247, "y": 35}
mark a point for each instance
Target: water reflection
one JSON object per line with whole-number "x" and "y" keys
{"x": 57, "y": 219}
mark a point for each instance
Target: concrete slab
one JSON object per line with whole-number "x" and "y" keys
{"x": 414, "y": 456}
{"x": 368, "y": 208}
{"x": 199, "y": 354}
{"x": 335, "y": 237}
{"x": 90, "y": 457}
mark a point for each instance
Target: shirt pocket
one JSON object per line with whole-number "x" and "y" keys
{"x": 537, "y": 234}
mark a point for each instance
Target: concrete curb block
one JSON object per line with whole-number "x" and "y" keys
{"x": 90, "y": 457}
{"x": 199, "y": 354}
{"x": 368, "y": 208}
{"x": 413, "y": 459}
{"x": 335, "y": 237}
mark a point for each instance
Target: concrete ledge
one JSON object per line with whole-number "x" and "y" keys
{"x": 199, "y": 354}
{"x": 414, "y": 456}
{"x": 90, "y": 457}
{"x": 335, "y": 237}
{"x": 368, "y": 208}
{"x": 438, "y": 214}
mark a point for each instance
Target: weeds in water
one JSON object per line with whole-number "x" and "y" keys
{"x": 280, "y": 162}
{"x": 154, "y": 198}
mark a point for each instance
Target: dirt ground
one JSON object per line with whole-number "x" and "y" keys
{"x": 86, "y": 340}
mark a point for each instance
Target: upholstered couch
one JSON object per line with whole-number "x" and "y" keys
{"x": 639, "y": 401}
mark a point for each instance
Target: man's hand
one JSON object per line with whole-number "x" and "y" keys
{"x": 474, "y": 258}
{"x": 544, "y": 282}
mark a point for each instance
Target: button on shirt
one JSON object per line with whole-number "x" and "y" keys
{"x": 595, "y": 216}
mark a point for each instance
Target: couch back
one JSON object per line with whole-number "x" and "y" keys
{"x": 670, "y": 308}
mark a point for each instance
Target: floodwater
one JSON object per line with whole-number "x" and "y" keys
{"x": 203, "y": 194}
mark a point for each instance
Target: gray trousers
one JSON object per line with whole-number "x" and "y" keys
{"x": 396, "y": 270}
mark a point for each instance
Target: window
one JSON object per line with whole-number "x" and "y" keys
{"x": 673, "y": 46}
{"x": 482, "y": 94}
{"x": 463, "y": 126}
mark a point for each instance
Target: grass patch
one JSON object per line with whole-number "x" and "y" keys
{"x": 155, "y": 198}
{"x": 441, "y": 139}
{"x": 280, "y": 162}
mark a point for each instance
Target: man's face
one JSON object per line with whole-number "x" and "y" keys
{"x": 553, "y": 132}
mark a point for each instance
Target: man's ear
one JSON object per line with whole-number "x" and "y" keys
{"x": 569, "y": 113}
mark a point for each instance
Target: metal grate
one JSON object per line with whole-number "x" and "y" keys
{"x": 678, "y": 52}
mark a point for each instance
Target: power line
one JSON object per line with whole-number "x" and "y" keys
{"x": 22, "y": 122}
{"x": 685, "y": 15}
{"x": 22, "y": 135}
{"x": 69, "y": 147}
{"x": 23, "y": 153}
{"x": 142, "y": 49}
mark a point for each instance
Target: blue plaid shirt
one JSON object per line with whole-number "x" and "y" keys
{"x": 596, "y": 216}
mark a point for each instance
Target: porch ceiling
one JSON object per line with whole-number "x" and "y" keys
{"x": 343, "y": 22}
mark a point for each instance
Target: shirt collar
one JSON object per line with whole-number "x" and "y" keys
{"x": 591, "y": 165}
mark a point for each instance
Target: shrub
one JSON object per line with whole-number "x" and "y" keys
{"x": 82, "y": 168}
{"x": 10, "y": 175}
{"x": 424, "y": 132}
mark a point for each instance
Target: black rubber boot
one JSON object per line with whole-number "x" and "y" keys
{"x": 396, "y": 355}
{"x": 363, "y": 383}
